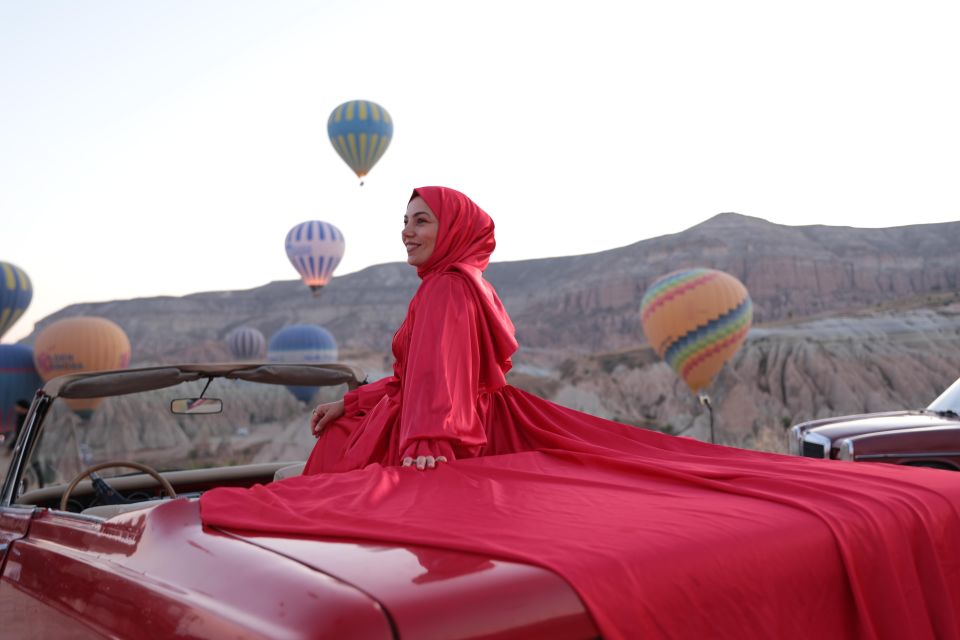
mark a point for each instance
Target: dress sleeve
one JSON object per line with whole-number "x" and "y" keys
{"x": 441, "y": 377}
{"x": 365, "y": 397}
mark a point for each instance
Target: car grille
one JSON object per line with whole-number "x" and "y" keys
{"x": 813, "y": 450}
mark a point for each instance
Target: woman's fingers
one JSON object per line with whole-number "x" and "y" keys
{"x": 322, "y": 421}
{"x": 323, "y": 414}
{"x": 423, "y": 462}
{"x": 315, "y": 420}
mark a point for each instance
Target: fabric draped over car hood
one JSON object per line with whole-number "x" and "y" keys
{"x": 662, "y": 536}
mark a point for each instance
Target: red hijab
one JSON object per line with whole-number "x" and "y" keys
{"x": 464, "y": 243}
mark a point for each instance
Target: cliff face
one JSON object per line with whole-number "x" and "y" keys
{"x": 581, "y": 303}
{"x": 859, "y": 356}
{"x": 899, "y": 358}
{"x": 592, "y": 301}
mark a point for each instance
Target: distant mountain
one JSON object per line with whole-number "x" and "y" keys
{"x": 845, "y": 320}
{"x": 592, "y": 301}
{"x": 583, "y": 303}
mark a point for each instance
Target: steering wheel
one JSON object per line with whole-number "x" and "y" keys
{"x": 153, "y": 473}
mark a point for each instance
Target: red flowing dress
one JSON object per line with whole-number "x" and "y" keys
{"x": 661, "y": 536}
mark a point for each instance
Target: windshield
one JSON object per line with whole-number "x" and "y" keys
{"x": 258, "y": 423}
{"x": 949, "y": 400}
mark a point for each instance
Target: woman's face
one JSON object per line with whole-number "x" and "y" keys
{"x": 420, "y": 227}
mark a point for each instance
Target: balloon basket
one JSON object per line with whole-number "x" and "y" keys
{"x": 705, "y": 401}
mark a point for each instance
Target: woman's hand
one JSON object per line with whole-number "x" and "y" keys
{"x": 423, "y": 462}
{"x": 426, "y": 454}
{"x": 323, "y": 415}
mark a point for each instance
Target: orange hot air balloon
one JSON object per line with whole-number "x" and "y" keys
{"x": 76, "y": 345}
{"x": 696, "y": 319}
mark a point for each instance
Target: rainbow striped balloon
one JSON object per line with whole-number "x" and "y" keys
{"x": 360, "y": 131}
{"x": 15, "y": 294}
{"x": 696, "y": 319}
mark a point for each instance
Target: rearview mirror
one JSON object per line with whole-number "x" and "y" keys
{"x": 196, "y": 405}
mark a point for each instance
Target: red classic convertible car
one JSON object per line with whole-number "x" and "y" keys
{"x": 101, "y": 534}
{"x": 84, "y": 555}
{"x": 926, "y": 438}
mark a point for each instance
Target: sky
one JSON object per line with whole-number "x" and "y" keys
{"x": 166, "y": 148}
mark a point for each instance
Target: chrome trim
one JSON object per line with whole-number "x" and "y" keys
{"x": 86, "y": 517}
{"x": 794, "y": 440}
{"x": 845, "y": 450}
{"x": 23, "y": 450}
{"x": 29, "y": 508}
{"x": 920, "y": 454}
{"x": 816, "y": 438}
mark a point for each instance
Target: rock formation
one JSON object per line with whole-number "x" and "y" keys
{"x": 846, "y": 320}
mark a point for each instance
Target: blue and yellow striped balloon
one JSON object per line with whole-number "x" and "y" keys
{"x": 360, "y": 131}
{"x": 19, "y": 380}
{"x": 15, "y": 295}
{"x": 696, "y": 319}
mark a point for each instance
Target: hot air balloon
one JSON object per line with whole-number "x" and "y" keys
{"x": 19, "y": 380}
{"x": 315, "y": 249}
{"x": 360, "y": 131}
{"x": 696, "y": 319}
{"x": 246, "y": 343}
{"x": 79, "y": 344}
{"x": 302, "y": 343}
{"x": 15, "y": 295}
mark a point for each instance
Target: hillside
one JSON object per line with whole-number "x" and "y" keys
{"x": 872, "y": 360}
{"x": 584, "y": 303}
{"x": 845, "y": 320}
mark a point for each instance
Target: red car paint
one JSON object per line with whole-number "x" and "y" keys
{"x": 156, "y": 573}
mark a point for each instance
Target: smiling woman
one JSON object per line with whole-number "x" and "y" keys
{"x": 451, "y": 355}
{"x": 420, "y": 226}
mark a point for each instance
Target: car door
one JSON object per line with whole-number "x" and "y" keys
{"x": 14, "y": 523}
{"x": 44, "y": 574}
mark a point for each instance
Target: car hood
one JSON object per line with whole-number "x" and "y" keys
{"x": 431, "y": 592}
{"x": 846, "y": 428}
